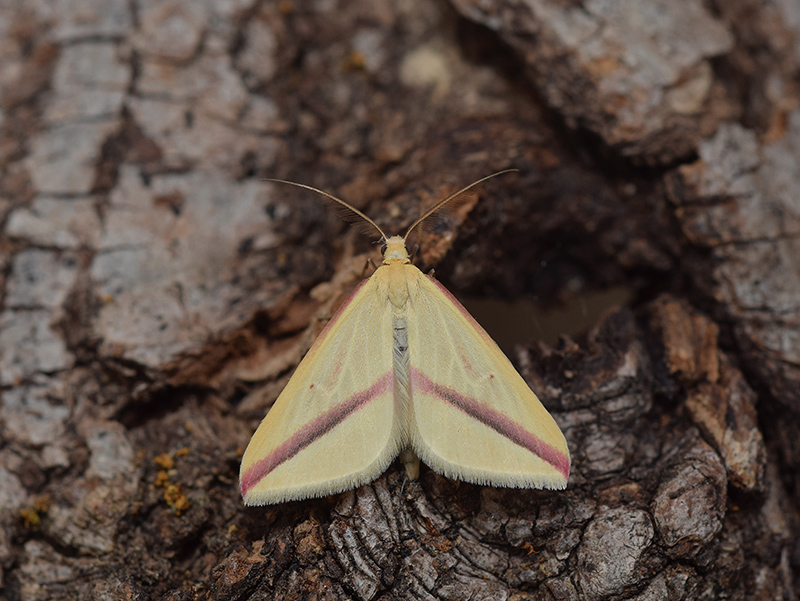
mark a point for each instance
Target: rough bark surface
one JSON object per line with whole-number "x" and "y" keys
{"x": 156, "y": 294}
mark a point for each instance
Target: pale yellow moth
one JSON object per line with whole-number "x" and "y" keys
{"x": 402, "y": 368}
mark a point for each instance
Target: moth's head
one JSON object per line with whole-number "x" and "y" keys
{"x": 395, "y": 251}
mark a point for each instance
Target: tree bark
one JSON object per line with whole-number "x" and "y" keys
{"x": 157, "y": 294}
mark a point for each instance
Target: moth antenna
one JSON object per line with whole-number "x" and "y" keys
{"x": 440, "y": 204}
{"x": 353, "y": 211}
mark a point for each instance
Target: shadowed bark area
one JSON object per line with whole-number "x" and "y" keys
{"x": 157, "y": 294}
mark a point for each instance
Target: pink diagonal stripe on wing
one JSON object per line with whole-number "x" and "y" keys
{"x": 314, "y": 430}
{"x": 500, "y": 423}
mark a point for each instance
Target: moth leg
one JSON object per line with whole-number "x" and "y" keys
{"x": 369, "y": 263}
{"x": 411, "y": 463}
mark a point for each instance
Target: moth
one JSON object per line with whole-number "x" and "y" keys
{"x": 402, "y": 369}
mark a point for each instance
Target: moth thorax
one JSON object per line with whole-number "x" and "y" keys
{"x": 395, "y": 250}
